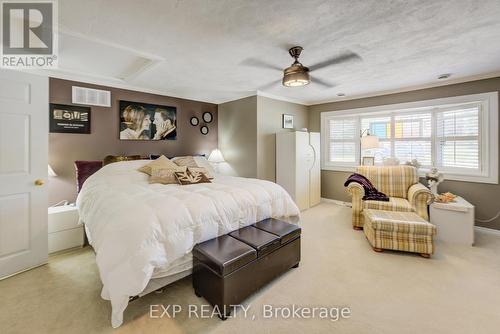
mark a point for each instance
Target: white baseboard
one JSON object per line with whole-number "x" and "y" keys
{"x": 334, "y": 201}
{"x": 487, "y": 230}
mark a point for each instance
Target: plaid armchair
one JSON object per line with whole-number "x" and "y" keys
{"x": 400, "y": 183}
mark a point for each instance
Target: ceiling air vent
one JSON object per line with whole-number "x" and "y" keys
{"x": 91, "y": 97}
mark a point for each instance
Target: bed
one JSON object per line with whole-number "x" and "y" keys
{"x": 143, "y": 233}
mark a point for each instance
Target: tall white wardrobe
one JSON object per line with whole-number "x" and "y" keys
{"x": 298, "y": 166}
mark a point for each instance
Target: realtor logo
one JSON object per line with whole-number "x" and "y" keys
{"x": 28, "y": 34}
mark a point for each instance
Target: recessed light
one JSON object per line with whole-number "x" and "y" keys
{"x": 340, "y": 94}
{"x": 444, "y": 76}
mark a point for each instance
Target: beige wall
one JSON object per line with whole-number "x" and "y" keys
{"x": 247, "y": 134}
{"x": 269, "y": 122}
{"x": 64, "y": 149}
{"x": 484, "y": 196}
{"x": 238, "y": 136}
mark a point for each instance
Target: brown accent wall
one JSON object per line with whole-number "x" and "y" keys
{"x": 64, "y": 149}
{"x": 484, "y": 196}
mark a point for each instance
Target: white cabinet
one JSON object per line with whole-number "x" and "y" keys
{"x": 454, "y": 221}
{"x": 64, "y": 230}
{"x": 298, "y": 166}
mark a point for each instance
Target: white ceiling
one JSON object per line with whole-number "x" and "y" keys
{"x": 196, "y": 48}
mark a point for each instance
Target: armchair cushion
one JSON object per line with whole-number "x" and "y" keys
{"x": 394, "y": 204}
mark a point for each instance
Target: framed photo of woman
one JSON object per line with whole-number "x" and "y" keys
{"x": 143, "y": 121}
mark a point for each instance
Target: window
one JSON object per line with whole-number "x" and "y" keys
{"x": 343, "y": 139}
{"x": 458, "y": 135}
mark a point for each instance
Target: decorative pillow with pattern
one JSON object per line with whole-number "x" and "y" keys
{"x": 201, "y": 170}
{"x": 162, "y": 162}
{"x": 191, "y": 177}
{"x": 201, "y": 161}
{"x": 187, "y": 161}
{"x": 165, "y": 175}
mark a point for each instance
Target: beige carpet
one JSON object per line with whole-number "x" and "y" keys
{"x": 457, "y": 291}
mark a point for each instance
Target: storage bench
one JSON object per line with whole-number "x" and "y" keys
{"x": 228, "y": 269}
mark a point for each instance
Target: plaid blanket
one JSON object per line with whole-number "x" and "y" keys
{"x": 371, "y": 193}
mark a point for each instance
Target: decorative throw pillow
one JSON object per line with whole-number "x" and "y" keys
{"x": 162, "y": 162}
{"x": 165, "y": 175}
{"x": 84, "y": 169}
{"x": 191, "y": 177}
{"x": 201, "y": 170}
{"x": 202, "y": 161}
{"x": 117, "y": 158}
{"x": 187, "y": 161}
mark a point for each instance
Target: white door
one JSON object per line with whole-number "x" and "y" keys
{"x": 24, "y": 118}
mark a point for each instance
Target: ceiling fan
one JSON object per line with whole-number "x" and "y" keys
{"x": 299, "y": 75}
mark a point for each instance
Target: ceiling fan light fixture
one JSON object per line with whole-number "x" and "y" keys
{"x": 296, "y": 75}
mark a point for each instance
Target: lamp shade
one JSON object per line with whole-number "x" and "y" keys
{"x": 216, "y": 156}
{"x": 369, "y": 141}
{"x": 51, "y": 171}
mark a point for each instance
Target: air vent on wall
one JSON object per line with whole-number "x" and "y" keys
{"x": 91, "y": 97}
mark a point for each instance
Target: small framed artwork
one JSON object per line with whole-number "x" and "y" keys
{"x": 287, "y": 121}
{"x": 207, "y": 117}
{"x": 204, "y": 130}
{"x": 194, "y": 121}
{"x": 69, "y": 119}
{"x": 368, "y": 161}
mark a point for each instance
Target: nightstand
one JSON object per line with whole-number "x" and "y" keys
{"x": 454, "y": 221}
{"x": 64, "y": 230}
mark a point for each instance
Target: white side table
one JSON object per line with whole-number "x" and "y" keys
{"x": 64, "y": 230}
{"x": 454, "y": 221}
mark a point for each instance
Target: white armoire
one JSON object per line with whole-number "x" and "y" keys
{"x": 298, "y": 166}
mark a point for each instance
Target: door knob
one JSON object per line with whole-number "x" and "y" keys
{"x": 39, "y": 182}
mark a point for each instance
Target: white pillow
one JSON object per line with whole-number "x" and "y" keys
{"x": 203, "y": 162}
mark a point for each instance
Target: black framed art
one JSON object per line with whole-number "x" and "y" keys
{"x": 194, "y": 121}
{"x": 143, "y": 121}
{"x": 69, "y": 119}
{"x": 207, "y": 117}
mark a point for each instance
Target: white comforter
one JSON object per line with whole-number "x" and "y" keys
{"x": 137, "y": 227}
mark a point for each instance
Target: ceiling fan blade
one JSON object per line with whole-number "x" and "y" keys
{"x": 345, "y": 57}
{"x": 254, "y": 62}
{"x": 322, "y": 83}
{"x": 269, "y": 85}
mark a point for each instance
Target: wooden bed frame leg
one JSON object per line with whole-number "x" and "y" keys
{"x": 378, "y": 250}
{"x": 425, "y": 255}
{"x": 357, "y": 228}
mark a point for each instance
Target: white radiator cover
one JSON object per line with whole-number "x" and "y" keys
{"x": 91, "y": 97}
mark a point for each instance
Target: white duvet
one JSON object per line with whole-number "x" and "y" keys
{"x": 137, "y": 228}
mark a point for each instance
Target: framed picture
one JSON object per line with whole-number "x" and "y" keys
{"x": 194, "y": 121}
{"x": 287, "y": 121}
{"x": 69, "y": 119}
{"x": 143, "y": 121}
{"x": 204, "y": 130}
{"x": 368, "y": 161}
{"x": 207, "y": 117}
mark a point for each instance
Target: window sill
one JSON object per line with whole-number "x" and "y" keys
{"x": 447, "y": 175}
